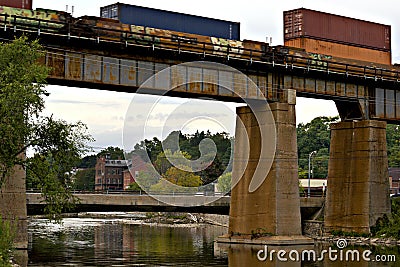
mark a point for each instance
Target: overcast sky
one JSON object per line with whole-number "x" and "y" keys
{"x": 104, "y": 112}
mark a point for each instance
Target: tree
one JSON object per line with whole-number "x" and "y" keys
{"x": 84, "y": 179}
{"x": 134, "y": 187}
{"x": 113, "y": 152}
{"x": 225, "y": 182}
{"x": 182, "y": 178}
{"x": 177, "y": 180}
{"x": 314, "y": 136}
{"x": 87, "y": 162}
{"x": 21, "y": 91}
{"x": 393, "y": 145}
{"x": 162, "y": 164}
{"x": 147, "y": 178}
{"x": 148, "y": 149}
{"x": 56, "y": 145}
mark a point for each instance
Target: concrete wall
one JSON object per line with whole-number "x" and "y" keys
{"x": 13, "y": 205}
{"x": 275, "y": 206}
{"x": 358, "y": 191}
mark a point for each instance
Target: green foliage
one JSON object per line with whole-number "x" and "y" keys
{"x": 7, "y": 234}
{"x": 162, "y": 164}
{"x": 22, "y": 82}
{"x": 393, "y": 145}
{"x": 84, "y": 179}
{"x": 147, "y": 178}
{"x": 182, "y": 178}
{"x": 113, "y": 152}
{"x": 57, "y": 145}
{"x": 87, "y": 162}
{"x": 134, "y": 187}
{"x": 155, "y": 150}
{"x": 301, "y": 189}
{"x": 314, "y": 136}
{"x": 225, "y": 182}
{"x": 389, "y": 226}
{"x": 177, "y": 180}
{"x": 54, "y": 184}
{"x": 58, "y": 148}
{"x": 148, "y": 149}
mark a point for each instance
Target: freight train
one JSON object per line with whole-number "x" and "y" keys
{"x": 111, "y": 30}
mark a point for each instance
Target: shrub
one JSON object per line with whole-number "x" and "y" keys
{"x": 7, "y": 234}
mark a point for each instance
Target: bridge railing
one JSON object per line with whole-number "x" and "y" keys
{"x": 272, "y": 56}
{"x": 139, "y": 192}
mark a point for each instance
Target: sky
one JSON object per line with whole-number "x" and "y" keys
{"x": 105, "y": 112}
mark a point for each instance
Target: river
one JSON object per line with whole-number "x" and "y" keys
{"x": 127, "y": 242}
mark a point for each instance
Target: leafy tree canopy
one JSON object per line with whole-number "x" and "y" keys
{"x": 225, "y": 182}
{"x": 314, "y": 136}
{"x": 393, "y": 144}
{"x": 158, "y": 152}
{"x": 55, "y": 144}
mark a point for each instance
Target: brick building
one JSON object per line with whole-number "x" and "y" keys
{"x": 394, "y": 179}
{"x": 111, "y": 174}
{"x": 137, "y": 166}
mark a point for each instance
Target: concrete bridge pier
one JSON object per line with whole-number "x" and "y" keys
{"x": 271, "y": 213}
{"x": 13, "y": 206}
{"x": 358, "y": 180}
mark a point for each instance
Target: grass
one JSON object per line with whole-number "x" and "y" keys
{"x": 7, "y": 234}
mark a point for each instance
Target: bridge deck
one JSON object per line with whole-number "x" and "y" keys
{"x": 133, "y": 202}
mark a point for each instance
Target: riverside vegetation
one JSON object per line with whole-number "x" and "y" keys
{"x": 7, "y": 233}
{"x": 55, "y": 145}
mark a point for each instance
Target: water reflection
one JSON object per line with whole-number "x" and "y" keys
{"x": 246, "y": 255}
{"x": 98, "y": 242}
{"x": 81, "y": 242}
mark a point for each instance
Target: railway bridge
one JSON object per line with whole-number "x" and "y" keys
{"x": 366, "y": 97}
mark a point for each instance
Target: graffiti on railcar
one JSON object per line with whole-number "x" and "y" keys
{"x": 319, "y": 61}
{"x": 143, "y": 35}
{"x": 222, "y": 45}
{"x": 47, "y": 18}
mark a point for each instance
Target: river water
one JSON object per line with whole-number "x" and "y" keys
{"x": 127, "y": 242}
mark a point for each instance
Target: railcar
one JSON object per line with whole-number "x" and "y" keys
{"x": 45, "y": 19}
{"x": 54, "y": 21}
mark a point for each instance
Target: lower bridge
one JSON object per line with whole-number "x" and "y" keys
{"x": 99, "y": 202}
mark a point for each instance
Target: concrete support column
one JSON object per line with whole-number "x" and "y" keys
{"x": 13, "y": 205}
{"x": 274, "y": 208}
{"x": 358, "y": 180}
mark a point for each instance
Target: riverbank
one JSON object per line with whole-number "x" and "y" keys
{"x": 315, "y": 230}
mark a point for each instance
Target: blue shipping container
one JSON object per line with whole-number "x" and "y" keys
{"x": 168, "y": 20}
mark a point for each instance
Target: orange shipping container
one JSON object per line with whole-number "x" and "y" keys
{"x": 341, "y": 50}
{"x": 308, "y": 23}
